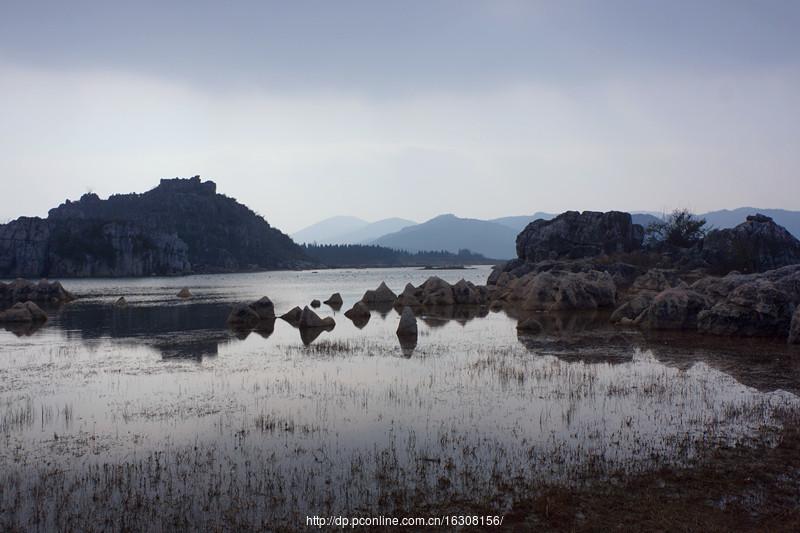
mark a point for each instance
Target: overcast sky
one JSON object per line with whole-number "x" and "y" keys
{"x": 304, "y": 110}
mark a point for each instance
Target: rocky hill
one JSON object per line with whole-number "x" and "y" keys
{"x": 182, "y": 226}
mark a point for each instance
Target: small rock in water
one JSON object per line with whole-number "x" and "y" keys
{"x": 359, "y": 314}
{"x": 315, "y": 303}
{"x": 335, "y": 300}
{"x": 121, "y": 302}
{"x": 185, "y": 293}
{"x": 359, "y": 310}
{"x": 293, "y": 316}
{"x": 383, "y": 294}
{"x": 310, "y": 319}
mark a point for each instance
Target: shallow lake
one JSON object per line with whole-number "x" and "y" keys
{"x": 158, "y": 408}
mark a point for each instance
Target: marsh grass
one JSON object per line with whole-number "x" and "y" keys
{"x": 17, "y": 415}
{"x": 344, "y": 426}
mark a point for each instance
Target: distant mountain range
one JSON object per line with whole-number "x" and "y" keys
{"x": 451, "y": 233}
{"x": 518, "y": 223}
{"x": 494, "y": 238}
{"x": 726, "y": 218}
{"x": 349, "y": 230}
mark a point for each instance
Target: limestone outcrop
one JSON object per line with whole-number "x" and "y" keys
{"x": 574, "y": 235}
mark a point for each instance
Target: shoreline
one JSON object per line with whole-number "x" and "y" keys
{"x": 420, "y": 266}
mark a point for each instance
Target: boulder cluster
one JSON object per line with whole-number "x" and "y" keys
{"x": 43, "y": 292}
{"x": 574, "y": 262}
{"x": 251, "y": 316}
{"x": 433, "y": 293}
{"x": 23, "y": 312}
{"x": 753, "y": 305}
{"x": 756, "y": 245}
{"x": 23, "y": 296}
{"x": 260, "y": 316}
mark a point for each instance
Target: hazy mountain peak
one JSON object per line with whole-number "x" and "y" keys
{"x": 349, "y": 230}
{"x": 329, "y": 229}
{"x": 452, "y": 233}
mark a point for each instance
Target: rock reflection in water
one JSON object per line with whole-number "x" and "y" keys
{"x": 360, "y": 321}
{"x": 22, "y": 329}
{"x": 407, "y": 344}
{"x": 189, "y": 348}
{"x": 383, "y": 308}
{"x": 309, "y": 335}
{"x": 95, "y": 320}
{"x": 440, "y": 315}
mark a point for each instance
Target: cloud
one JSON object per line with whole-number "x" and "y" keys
{"x": 629, "y": 143}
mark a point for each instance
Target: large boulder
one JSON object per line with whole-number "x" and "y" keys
{"x": 408, "y": 324}
{"x": 574, "y": 235}
{"x": 43, "y": 291}
{"x": 718, "y": 288}
{"x": 243, "y": 316}
{"x": 310, "y": 319}
{"x": 408, "y": 297}
{"x": 655, "y": 280}
{"x": 359, "y": 314}
{"x": 436, "y": 292}
{"x": 467, "y": 293}
{"x": 754, "y": 305}
{"x": 562, "y": 291}
{"x": 756, "y": 245}
{"x": 674, "y": 309}
{"x": 382, "y": 294}
{"x": 335, "y": 300}
{"x": 23, "y": 312}
{"x": 633, "y": 308}
{"x": 264, "y": 308}
{"x": 257, "y": 314}
{"x": 756, "y": 309}
{"x": 293, "y": 316}
{"x": 359, "y": 310}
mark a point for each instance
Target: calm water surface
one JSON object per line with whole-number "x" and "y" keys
{"x": 206, "y": 417}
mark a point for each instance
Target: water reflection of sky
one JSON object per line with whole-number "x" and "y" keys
{"x": 166, "y": 374}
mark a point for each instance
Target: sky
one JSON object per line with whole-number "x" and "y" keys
{"x": 304, "y": 110}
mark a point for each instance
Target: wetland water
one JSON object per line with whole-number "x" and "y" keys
{"x": 157, "y": 415}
